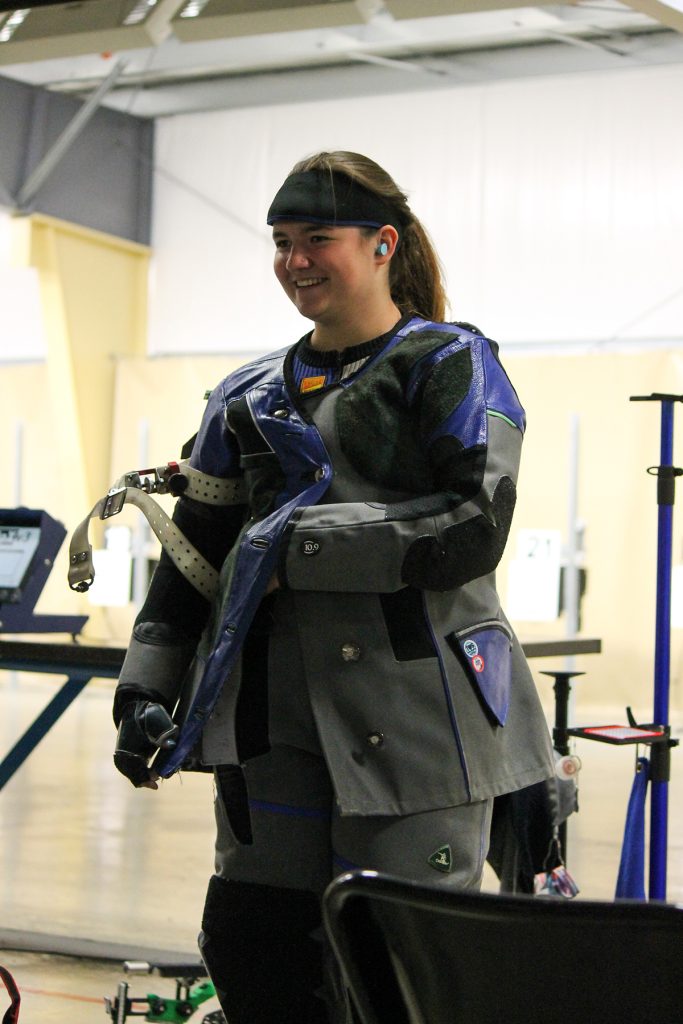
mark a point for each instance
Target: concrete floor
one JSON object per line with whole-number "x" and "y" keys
{"x": 86, "y": 856}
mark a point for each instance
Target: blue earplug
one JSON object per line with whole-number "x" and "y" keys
{"x": 382, "y": 249}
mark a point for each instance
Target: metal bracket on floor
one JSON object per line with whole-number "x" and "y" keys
{"x": 190, "y": 993}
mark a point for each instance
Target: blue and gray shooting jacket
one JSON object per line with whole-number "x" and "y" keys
{"x": 379, "y": 487}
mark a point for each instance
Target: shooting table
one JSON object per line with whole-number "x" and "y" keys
{"x": 79, "y": 662}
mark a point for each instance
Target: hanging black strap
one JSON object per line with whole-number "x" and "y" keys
{"x": 12, "y": 1014}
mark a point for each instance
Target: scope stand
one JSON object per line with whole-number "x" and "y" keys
{"x": 657, "y": 735}
{"x": 666, "y": 475}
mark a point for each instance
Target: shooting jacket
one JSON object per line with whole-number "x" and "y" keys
{"x": 383, "y": 504}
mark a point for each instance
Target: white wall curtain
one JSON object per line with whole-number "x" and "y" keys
{"x": 555, "y": 203}
{"x": 22, "y": 335}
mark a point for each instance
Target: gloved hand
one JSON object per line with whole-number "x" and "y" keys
{"x": 145, "y": 727}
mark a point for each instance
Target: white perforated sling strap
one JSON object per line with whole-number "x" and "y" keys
{"x": 135, "y": 489}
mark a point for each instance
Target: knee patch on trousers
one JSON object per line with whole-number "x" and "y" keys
{"x": 258, "y": 949}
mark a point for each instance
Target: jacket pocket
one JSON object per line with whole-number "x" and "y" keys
{"x": 485, "y": 650}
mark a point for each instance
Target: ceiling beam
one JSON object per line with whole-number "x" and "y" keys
{"x": 223, "y": 19}
{"x": 437, "y": 8}
{"x": 669, "y": 14}
{"x": 73, "y": 41}
{"x": 266, "y": 19}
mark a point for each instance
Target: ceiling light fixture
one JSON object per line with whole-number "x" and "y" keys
{"x": 12, "y": 23}
{"x": 139, "y": 12}
{"x": 193, "y": 8}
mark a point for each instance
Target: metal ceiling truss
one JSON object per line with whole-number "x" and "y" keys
{"x": 65, "y": 140}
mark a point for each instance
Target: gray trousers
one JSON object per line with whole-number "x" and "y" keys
{"x": 280, "y": 841}
{"x": 277, "y": 825}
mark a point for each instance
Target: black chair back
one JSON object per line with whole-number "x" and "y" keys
{"x": 416, "y": 954}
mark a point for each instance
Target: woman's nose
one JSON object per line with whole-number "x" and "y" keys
{"x": 297, "y": 258}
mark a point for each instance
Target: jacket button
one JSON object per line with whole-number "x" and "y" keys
{"x": 281, "y": 414}
{"x": 319, "y": 473}
{"x": 350, "y": 652}
{"x": 375, "y": 739}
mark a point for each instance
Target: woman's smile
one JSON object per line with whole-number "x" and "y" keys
{"x": 309, "y": 282}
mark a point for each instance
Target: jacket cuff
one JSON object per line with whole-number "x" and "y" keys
{"x": 155, "y": 666}
{"x": 125, "y": 695}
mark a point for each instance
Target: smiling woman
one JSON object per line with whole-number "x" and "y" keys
{"x": 337, "y": 277}
{"x": 355, "y": 687}
{"x": 347, "y": 189}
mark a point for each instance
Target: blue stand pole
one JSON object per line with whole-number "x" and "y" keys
{"x": 661, "y": 752}
{"x": 659, "y": 792}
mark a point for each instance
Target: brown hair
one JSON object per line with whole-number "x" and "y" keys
{"x": 415, "y": 273}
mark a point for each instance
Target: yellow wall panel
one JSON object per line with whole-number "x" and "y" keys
{"x": 28, "y": 421}
{"x": 619, "y": 439}
{"x": 93, "y": 294}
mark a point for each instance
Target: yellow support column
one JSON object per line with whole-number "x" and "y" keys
{"x": 94, "y": 300}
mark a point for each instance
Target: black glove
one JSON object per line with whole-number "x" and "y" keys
{"x": 145, "y": 727}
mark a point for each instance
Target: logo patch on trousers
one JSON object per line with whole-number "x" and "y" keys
{"x": 441, "y": 859}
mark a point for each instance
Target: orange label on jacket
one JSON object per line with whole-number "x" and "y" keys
{"x": 311, "y": 384}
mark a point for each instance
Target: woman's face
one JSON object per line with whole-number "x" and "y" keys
{"x": 329, "y": 273}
